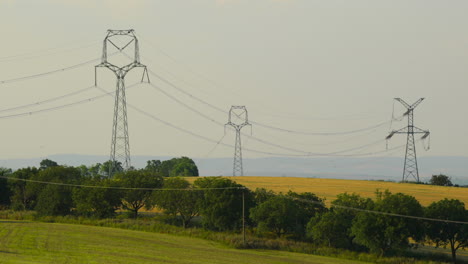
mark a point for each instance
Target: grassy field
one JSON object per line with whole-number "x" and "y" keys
{"x": 329, "y": 188}
{"x": 33, "y": 242}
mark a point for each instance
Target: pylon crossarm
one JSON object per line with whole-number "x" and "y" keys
{"x": 403, "y": 102}
{"x": 417, "y": 103}
{"x": 417, "y": 130}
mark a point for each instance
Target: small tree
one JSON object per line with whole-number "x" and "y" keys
{"x": 184, "y": 203}
{"x": 138, "y": 194}
{"x": 444, "y": 233}
{"x": 441, "y": 180}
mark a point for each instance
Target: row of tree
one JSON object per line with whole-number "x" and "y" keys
{"x": 383, "y": 225}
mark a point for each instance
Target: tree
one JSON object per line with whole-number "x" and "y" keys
{"x": 97, "y": 202}
{"x": 142, "y": 182}
{"x": 278, "y": 215}
{"x": 333, "y": 228}
{"x": 441, "y": 180}
{"x": 5, "y": 191}
{"x": 174, "y": 167}
{"x": 105, "y": 168}
{"x": 184, "y": 203}
{"x": 221, "y": 205}
{"x": 47, "y": 163}
{"x": 383, "y": 233}
{"x": 444, "y": 233}
{"x": 262, "y": 195}
{"x": 153, "y": 165}
{"x": 54, "y": 199}
{"x": 309, "y": 205}
{"x": 23, "y": 197}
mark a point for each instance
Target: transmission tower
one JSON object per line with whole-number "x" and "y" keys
{"x": 410, "y": 168}
{"x": 120, "y": 40}
{"x": 238, "y": 118}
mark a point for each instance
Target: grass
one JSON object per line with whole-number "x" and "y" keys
{"x": 34, "y": 242}
{"x": 329, "y": 188}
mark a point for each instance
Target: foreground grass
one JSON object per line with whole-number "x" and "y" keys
{"x": 330, "y": 188}
{"x": 34, "y": 242}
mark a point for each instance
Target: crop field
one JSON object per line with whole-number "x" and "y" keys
{"x": 329, "y": 188}
{"x": 33, "y": 242}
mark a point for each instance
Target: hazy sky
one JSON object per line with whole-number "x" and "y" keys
{"x": 313, "y": 66}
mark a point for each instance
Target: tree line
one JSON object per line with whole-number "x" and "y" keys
{"x": 386, "y": 225}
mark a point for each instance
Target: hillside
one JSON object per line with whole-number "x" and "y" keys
{"x": 32, "y": 242}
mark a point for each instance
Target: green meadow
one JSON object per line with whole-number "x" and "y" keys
{"x": 35, "y": 242}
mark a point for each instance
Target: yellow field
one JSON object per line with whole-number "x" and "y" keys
{"x": 329, "y": 188}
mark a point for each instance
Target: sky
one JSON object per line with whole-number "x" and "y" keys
{"x": 301, "y": 66}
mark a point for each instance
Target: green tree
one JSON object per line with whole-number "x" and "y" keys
{"x": 47, "y": 163}
{"x": 383, "y": 233}
{"x": 174, "y": 167}
{"x": 153, "y": 166}
{"x": 262, "y": 195}
{"x": 333, "y": 228}
{"x": 5, "y": 191}
{"x": 105, "y": 168}
{"x": 97, "y": 202}
{"x": 221, "y": 205}
{"x": 278, "y": 214}
{"x": 184, "y": 204}
{"x": 139, "y": 193}
{"x": 441, "y": 180}
{"x": 54, "y": 199}
{"x": 23, "y": 197}
{"x": 309, "y": 206}
{"x": 444, "y": 233}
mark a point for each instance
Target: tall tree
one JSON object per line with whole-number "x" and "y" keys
{"x": 221, "y": 206}
{"x": 139, "y": 184}
{"x": 5, "y": 191}
{"x": 23, "y": 196}
{"x": 47, "y": 163}
{"x": 178, "y": 199}
{"x": 55, "y": 199}
{"x": 383, "y": 233}
{"x": 445, "y": 233}
{"x": 333, "y": 228}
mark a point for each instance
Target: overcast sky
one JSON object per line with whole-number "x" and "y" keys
{"x": 306, "y": 66}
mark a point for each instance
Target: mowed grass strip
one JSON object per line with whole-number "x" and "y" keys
{"x": 34, "y": 242}
{"x": 330, "y": 188}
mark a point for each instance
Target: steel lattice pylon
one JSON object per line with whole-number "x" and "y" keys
{"x": 238, "y": 118}
{"x": 120, "y": 146}
{"x": 410, "y": 168}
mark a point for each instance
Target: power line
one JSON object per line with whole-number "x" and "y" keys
{"x": 33, "y": 76}
{"x": 47, "y": 100}
{"x": 48, "y": 51}
{"x": 87, "y": 100}
{"x": 234, "y": 188}
{"x": 116, "y": 187}
{"x": 255, "y": 138}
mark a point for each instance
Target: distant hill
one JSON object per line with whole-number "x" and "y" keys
{"x": 388, "y": 168}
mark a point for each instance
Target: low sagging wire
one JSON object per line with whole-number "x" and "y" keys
{"x": 233, "y": 188}
{"x": 47, "y": 100}
{"x": 380, "y": 212}
{"x": 117, "y": 187}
